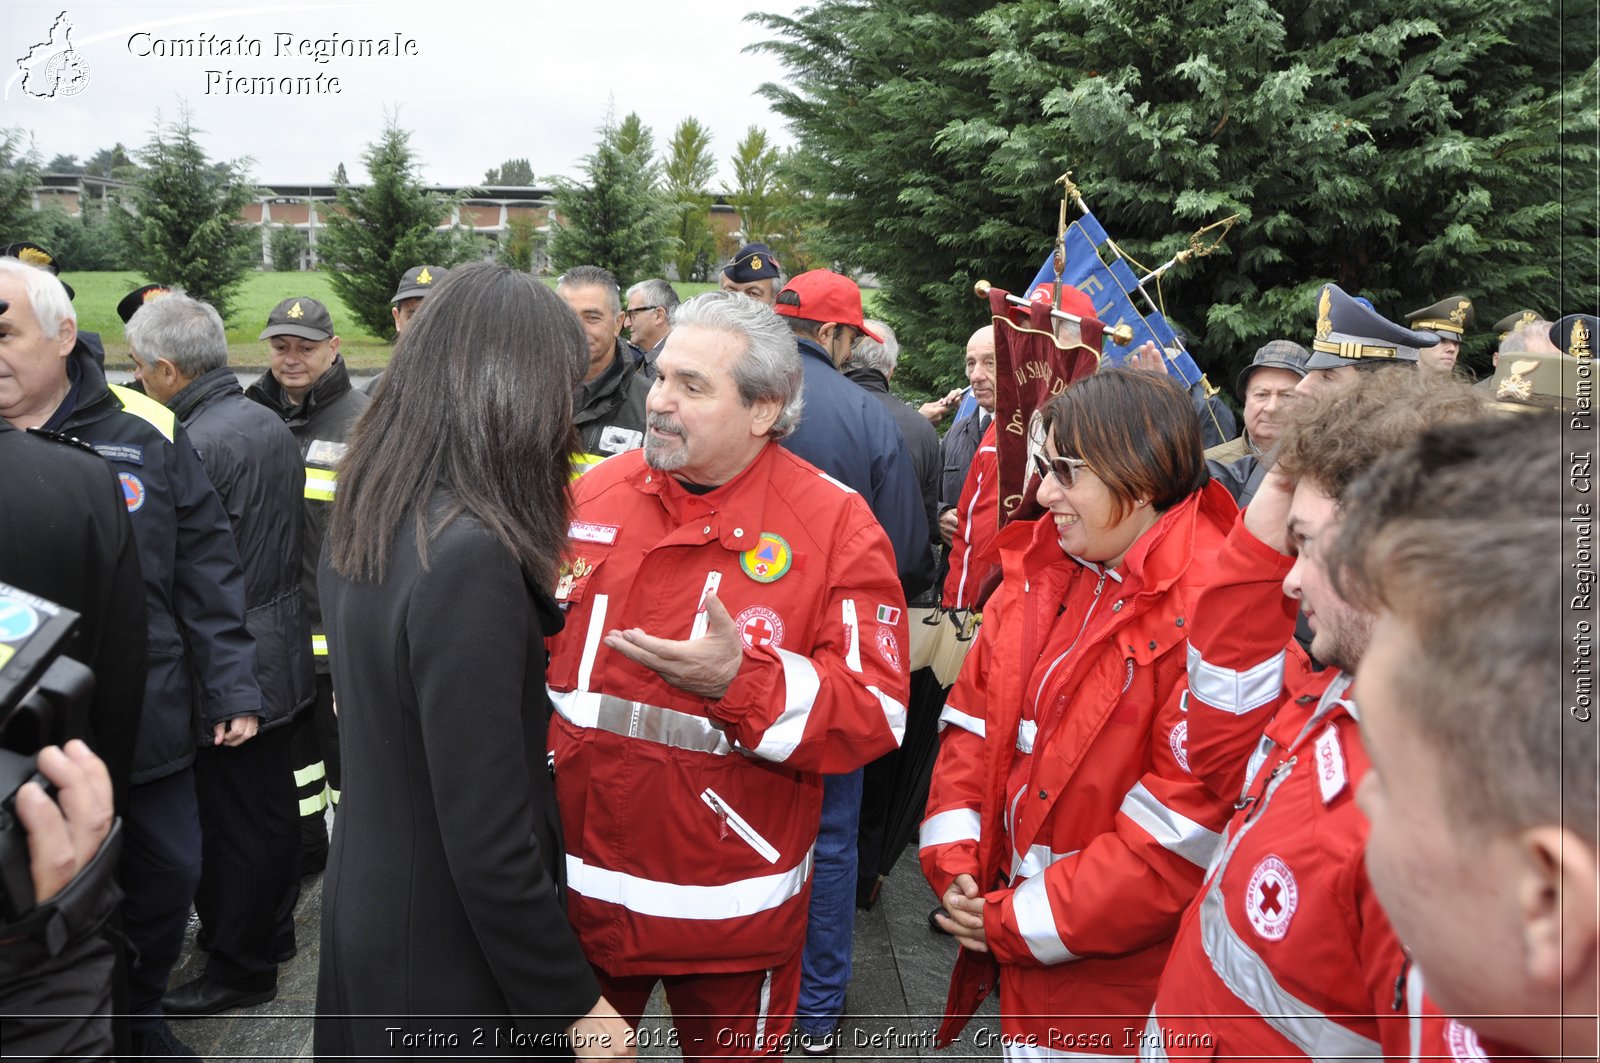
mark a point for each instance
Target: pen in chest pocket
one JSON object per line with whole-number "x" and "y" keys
{"x": 713, "y": 581}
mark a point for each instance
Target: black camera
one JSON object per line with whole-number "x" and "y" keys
{"x": 40, "y": 692}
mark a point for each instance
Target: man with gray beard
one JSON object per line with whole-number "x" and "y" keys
{"x": 734, "y": 630}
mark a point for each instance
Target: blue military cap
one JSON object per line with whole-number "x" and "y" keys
{"x": 1351, "y": 334}
{"x": 753, "y": 262}
{"x": 1575, "y": 335}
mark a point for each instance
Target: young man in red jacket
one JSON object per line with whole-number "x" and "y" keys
{"x": 1286, "y": 952}
{"x": 1482, "y": 795}
{"x": 735, "y": 629}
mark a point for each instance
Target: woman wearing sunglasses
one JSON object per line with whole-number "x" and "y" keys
{"x": 1064, "y": 832}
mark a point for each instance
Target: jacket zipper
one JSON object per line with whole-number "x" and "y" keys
{"x": 731, "y": 820}
{"x": 1087, "y": 616}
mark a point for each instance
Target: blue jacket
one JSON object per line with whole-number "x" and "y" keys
{"x": 202, "y": 661}
{"x": 848, "y": 434}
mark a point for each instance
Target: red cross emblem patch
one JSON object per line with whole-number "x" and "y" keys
{"x": 1271, "y": 898}
{"x": 759, "y": 626}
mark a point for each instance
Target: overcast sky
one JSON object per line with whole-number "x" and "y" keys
{"x": 486, "y": 82}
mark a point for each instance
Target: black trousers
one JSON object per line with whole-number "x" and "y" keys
{"x": 314, "y": 739}
{"x": 160, "y": 871}
{"x": 251, "y": 837}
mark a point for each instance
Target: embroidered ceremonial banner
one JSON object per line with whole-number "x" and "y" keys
{"x": 1031, "y": 368}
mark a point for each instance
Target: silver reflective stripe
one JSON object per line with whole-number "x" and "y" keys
{"x": 1235, "y": 692}
{"x": 1176, "y": 832}
{"x": 800, "y": 687}
{"x": 852, "y": 635}
{"x": 894, "y": 714}
{"x": 956, "y": 825}
{"x": 1037, "y": 924}
{"x": 591, "y": 639}
{"x": 1414, "y": 991}
{"x": 1251, "y": 980}
{"x": 1150, "y": 1047}
{"x": 763, "y": 1004}
{"x": 635, "y": 719}
{"x": 674, "y": 901}
{"x": 952, "y": 715}
{"x": 1027, "y": 734}
{"x": 1037, "y": 859}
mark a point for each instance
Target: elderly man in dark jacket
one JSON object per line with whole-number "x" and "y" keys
{"x": 309, "y": 390}
{"x": 248, "y": 817}
{"x": 201, "y": 686}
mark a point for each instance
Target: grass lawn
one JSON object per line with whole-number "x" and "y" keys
{"x": 99, "y": 293}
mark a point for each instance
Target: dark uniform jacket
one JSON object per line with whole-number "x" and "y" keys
{"x": 254, "y": 464}
{"x": 609, "y": 410}
{"x": 922, "y": 440}
{"x": 65, "y": 536}
{"x": 201, "y": 659}
{"x": 320, "y": 424}
{"x": 847, "y": 434}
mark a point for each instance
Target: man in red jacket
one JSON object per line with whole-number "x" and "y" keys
{"x": 1286, "y": 952}
{"x": 1482, "y": 795}
{"x": 735, "y": 629}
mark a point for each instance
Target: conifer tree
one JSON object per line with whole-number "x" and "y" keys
{"x": 688, "y": 171}
{"x": 1403, "y": 149}
{"x": 617, "y": 217}
{"x": 183, "y": 224}
{"x": 382, "y": 229}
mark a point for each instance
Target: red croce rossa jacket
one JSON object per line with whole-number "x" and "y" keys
{"x": 1061, "y": 784}
{"x": 1286, "y": 951}
{"x": 689, "y": 822}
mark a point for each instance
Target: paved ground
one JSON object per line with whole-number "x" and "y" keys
{"x": 901, "y": 973}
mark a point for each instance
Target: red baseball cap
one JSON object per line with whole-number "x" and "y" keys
{"x": 1073, "y": 300}
{"x": 826, "y": 296}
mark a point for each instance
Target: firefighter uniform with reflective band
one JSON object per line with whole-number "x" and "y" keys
{"x": 1286, "y": 952}
{"x": 689, "y": 822}
{"x": 1061, "y": 785}
{"x": 321, "y": 424}
{"x": 977, "y": 522}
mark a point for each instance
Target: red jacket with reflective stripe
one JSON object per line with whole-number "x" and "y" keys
{"x": 683, "y": 857}
{"x": 1115, "y": 831}
{"x": 977, "y": 522}
{"x": 1286, "y": 951}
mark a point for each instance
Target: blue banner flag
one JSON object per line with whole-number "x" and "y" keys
{"x": 1114, "y": 291}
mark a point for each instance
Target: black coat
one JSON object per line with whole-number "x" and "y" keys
{"x": 922, "y": 440}
{"x": 609, "y": 410}
{"x": 65, "y": 535}
{"x": 321, "y": 424}
{"x": 850, "y": 437}
{"x": 445, "y": 886}
{"x": 202, "y": 661}
{"x": 254, "y": 463}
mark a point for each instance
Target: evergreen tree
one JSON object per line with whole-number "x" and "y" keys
{"x": 755, "y": 177}
{"x": 510, "y": 172}
{"x": 183, "y": 224}
{"x": 616, "y": 218}
{"x": 112, "y": 162}
{"x": 382, "y": 229}
{"x": 1402, "y": 149}
{"x": 689, "y": 169}
{"x": 19, "y": 173}
{"x": 340, "y": 177}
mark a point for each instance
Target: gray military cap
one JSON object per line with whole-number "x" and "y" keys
{"x": 1349, "y": 333}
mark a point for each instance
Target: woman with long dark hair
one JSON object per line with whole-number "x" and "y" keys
{"x": 1064, "y": 832}
{"x": 443, "y": 923}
